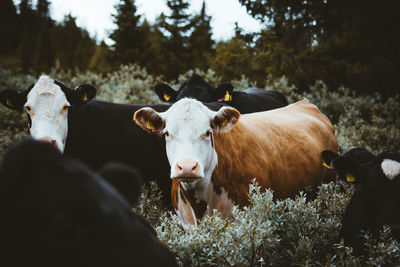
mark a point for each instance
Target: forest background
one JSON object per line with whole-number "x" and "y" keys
{"x": 354, "y": 43}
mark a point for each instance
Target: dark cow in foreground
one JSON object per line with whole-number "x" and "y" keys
{"x": 94, "y": 132}
{"x": 215, "y": 155}
{"x": 57, "y": 212}
{"x": 247, "y": 101}
{"x": 376, "y": 200}
{"x": 358, "y": 154}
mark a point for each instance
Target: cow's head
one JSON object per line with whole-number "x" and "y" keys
{"x": 358, "y": 155}
{"x": 195, "y": 88}
{"x": 188, "y": 127}
{"x": 379, "y": 188}
{"x": 47, "y": 104}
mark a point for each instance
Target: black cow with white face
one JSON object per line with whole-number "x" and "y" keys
{"x": 247, "y": 101}
{"x": 376, "y": 200}
{"x": 357, "y": 154}
{"x": 94, "y": 132}
{"x": 57, "y": 212}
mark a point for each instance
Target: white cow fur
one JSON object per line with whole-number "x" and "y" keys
{"x": 47, "y": 100}
{"x": 186, "y": 123}
{"x": 390, "y": 168}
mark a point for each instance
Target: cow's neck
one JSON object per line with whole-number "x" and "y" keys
{"x": 188, "y": 201}
{"x": 231, "y": 177}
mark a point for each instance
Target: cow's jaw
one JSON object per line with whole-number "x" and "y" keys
{"x": 48, "y": 114}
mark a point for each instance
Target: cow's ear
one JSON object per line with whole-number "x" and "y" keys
{"x": 391, "y": 168}
{"x": 225, "y": 118}
{"x": 166, "y": 93}
{"x": 347, "y": 167}
{"x": 126, "y": 180}
{"x": 13, "y": 99}
{"x": 84, "y": 93}
{"x": 149, "y": 119}
{"x": 327, "y": 157}
{"x": 223, "y": 92}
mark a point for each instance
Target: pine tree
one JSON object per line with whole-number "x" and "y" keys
{"x": 43, "y": 58}
{"x": 27, "y": 26}
{"x": 200, "y": 41}
{"x": 8, "y": 27}
{"x": 127, "y": 37}
{"x": 43, "y": 8}
{"x": 176, "y": 28}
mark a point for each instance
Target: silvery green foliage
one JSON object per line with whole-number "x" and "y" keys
{"x": 150, "y": 204}
{"x": 267, "y": 232}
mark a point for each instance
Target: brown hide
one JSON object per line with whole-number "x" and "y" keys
{"x": 184, "y": 202}
{"x": 281, "y": 148}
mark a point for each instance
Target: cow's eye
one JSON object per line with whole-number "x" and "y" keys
{"x": 166, "y": 134}
{"x": 28, "y": 108}
{"x": 65, "y": 108}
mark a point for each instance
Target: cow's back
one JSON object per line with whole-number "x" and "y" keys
{"x": 281, "y": 148}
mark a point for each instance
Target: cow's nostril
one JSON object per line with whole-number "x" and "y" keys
{"x": 195, "y": 166}
{"x": 179, "y": 167}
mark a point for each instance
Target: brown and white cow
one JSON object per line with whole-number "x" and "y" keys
{"x": 215, "y": 155}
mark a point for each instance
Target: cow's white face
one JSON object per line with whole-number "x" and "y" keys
{"x": 47, "y": 106}
{"x": 188, "y": 127}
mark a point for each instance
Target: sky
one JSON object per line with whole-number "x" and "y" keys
{"x": 95, "y": 15}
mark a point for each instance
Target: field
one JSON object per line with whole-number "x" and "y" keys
{"x": 289, "y": 232}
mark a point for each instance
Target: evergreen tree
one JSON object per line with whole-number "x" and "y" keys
{"x": 127, "y": 37}
{"x": 25, "y": 7}
{"x": 43, "y": 8}
{"x": 200, "y": 41}
{"x": 176, "y": 28}
{"x": 8, "y": 27}
{"x": 100, "y": 60}
{"x": 351, "y": 43}
{"x": 43, "y": 58}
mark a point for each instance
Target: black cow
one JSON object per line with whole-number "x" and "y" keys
{"x": 57, "y": 212}
{"x": 247, "y": 101}
{"x": 376, "y": 200}
{"x": 94, "y": 132}
{"x": 358, "y": 154}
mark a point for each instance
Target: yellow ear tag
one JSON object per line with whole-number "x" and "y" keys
{"x": 9, "y": 102}
{"x": 327, "y": 166}
{"x": 149, "y": 125}
{"x": 227, "y": 96}
{"x": 84, "y": 97}
{"x": 166, "y": 97}
{"x": 350, "y": 178}
{"x": 223, "y": 124}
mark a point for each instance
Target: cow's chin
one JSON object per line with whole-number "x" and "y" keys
{"x": 187, "y": 179}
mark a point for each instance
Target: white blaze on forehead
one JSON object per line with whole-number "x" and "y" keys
{"x": 390, "y": 168}
{"x": 46, "y": 100}
{"x": 186, "y": 122}
{"x": 45, "y": 86}
{"x": 188, "y": 117}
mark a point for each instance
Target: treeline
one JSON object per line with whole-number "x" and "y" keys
{"x": 32, "y": 41}
{"x": 352, "y": 43}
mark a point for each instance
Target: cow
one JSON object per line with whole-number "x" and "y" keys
{"x": 376, "y": 199}
{"x": 214, "y": 155}
{"x": 247, "y": 101}
{"x": 58, "y": 212}
{"x": 94, "y": 132}
{"x": 125, "y": 179}
{"x": 359, "y": 154}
